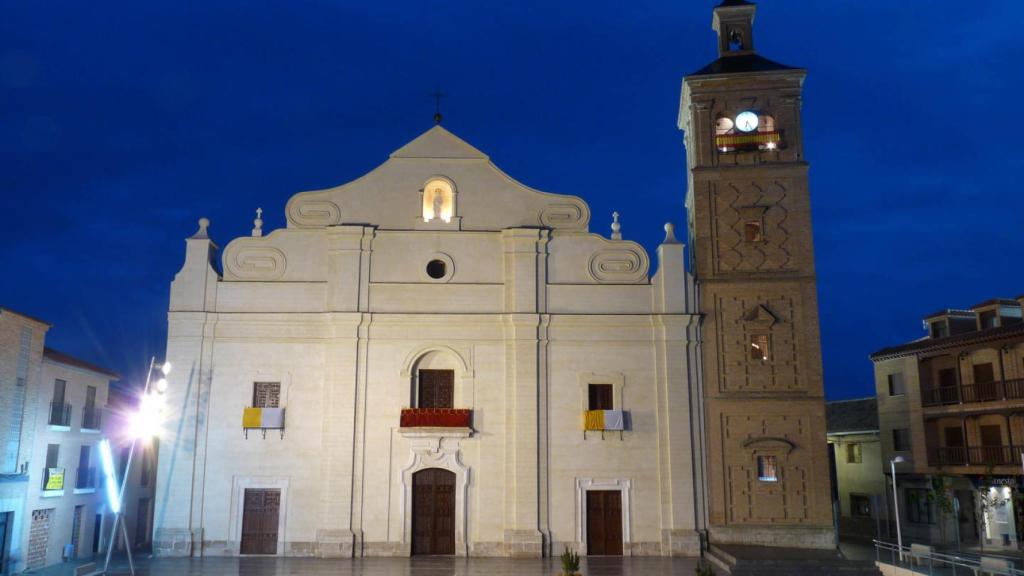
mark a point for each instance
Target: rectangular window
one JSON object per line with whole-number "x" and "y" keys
{"x": 600, "y": 397}
{"x": 939, "y": 329}
{"x": 266, "y": 395}
{"x": 90, "y": 397}
{"x": 767, "y": 470}
{"x": 759, "y": 347}
{"x": 896, "y": 386}
{"x": 983, "y": 373}
{"x": 752, "y": 231}
{"x": 52, "y": 455}
{"x": 919, "y": 510}
{"x": 860, "y": 505}
{"x": 59, "y": 387}
{"x": 853, "y": 454}
{"x": 901, "y": 439}
{"x": 988, "y": 320}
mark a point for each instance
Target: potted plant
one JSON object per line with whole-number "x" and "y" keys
{"x": 570, "y": 563}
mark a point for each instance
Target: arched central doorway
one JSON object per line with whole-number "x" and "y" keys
{"x": 433, "y": 512}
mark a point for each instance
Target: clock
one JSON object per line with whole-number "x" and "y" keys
{"x": 746, "y": 121}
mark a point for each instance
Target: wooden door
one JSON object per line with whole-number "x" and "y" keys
{"x": 985, "y": 381}
{"x": 259, "y": 521}
{"x": 433, "y": 512}
{"x": 604, "y": 523}
{"x": 437, "y": 389}
{"x": 992, "y": 445}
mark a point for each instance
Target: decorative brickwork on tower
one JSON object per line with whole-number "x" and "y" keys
{"x": 750, "y": 231}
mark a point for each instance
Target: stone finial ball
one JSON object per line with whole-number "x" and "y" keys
{"x": 204, "y": 222}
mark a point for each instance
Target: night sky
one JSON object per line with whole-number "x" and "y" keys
{"x": 121, "y": 123}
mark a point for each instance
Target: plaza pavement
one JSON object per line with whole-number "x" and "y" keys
{"x": 423, "y": 566}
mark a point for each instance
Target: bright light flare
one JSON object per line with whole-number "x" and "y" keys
{"x": 110, "y": 482}
{"x": 146, "y": 422}
{"x": 166, "y": 368}
{"x": 161, "y": 385}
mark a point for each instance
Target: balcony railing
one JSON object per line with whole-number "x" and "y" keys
{"x": 53, "y": 478}
{"x": 975, "y": 456}
{"x": 436, "y": 418}
{"x": 90, "y": 418}
{"x": 262, "y": 419}
{"x": 60, "y": 414}
{"x": 976, "y": 392}
{"x": 86, "y": 478}
{"x": 750, "y": 141}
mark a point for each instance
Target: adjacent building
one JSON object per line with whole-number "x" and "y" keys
{"x": 53, "y": 414}
{"x": 951, "y": 404}
{"x": 64, "y": 507}
{"x": 856, "y": 455}
{"x": 22, "y": 340}
{"x": 437, "y": 359}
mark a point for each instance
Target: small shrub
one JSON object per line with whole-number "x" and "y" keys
{"x": 570, "y": 562}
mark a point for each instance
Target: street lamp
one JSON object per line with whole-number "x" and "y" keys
{"x": 142, "y": 424}
{"x": 896, "y": 503}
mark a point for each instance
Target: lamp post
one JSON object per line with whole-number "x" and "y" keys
{"x": 145, "y": 423}
{"x": 896, "y": 503}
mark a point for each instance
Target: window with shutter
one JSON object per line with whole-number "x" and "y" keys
{"x": 266, "y": 395}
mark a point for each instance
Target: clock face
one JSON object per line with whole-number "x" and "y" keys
{"x": 746, "y": 121}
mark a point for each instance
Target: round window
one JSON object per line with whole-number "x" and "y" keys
{"x": 436, "y": 269}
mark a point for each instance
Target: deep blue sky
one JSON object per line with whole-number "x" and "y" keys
{"x": 123, "y": 122}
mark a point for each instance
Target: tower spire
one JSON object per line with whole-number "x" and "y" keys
{"x": 733, "y": 20}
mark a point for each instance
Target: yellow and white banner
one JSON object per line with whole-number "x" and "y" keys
{"x": 263, "y": 418}
{"x": 604, "y": 420}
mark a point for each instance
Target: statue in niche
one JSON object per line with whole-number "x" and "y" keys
{"x": 438, "y": 201}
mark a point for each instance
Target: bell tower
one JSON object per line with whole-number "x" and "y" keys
{"x": 767, "y": 472}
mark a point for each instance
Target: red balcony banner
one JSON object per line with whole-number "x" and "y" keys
{"x": 436, "y": 417}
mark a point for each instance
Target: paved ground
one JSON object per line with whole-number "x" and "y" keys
{"x": 394, "y": 567}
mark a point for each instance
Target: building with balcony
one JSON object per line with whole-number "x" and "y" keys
{"x": 64, "y": 506}
{"x": 437, "y": 359}
{"x": 951, "y": 404}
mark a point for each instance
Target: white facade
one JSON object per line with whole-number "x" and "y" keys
{"x": 436, "y": 260}
{"x": 62, "y": 482}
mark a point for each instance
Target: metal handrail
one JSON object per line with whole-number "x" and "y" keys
{"x": 60, "y": 414}
{"x": 942, "y": 563}
{"x": 91, "y": 418}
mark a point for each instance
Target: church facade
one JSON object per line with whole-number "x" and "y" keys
{"x": 437, "y": 359}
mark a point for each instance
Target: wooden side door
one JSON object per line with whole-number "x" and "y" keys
{"x": 262, "y": 507}
{"x": 604, "y": 523}
{"x": 436, "y": 389}
{"x": 433, "y": 512}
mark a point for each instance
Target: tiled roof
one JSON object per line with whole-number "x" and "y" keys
{"x": 740, "y": 64}
{"x": 949, "y": 342}
{"x": 858, "y": 415}
{"x": 70, "y": 360}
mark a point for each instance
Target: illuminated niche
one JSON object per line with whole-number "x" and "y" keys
{"x": 438, "y": 200}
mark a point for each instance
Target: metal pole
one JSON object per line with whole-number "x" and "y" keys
{"x": 896, "y": 508}
{"x": 124, "y": 482}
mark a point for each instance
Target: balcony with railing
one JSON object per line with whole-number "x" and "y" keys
{"x": 766, "y": 140}
{"x": 90, "y": 418}
{"x": 975, "y": 456}
{"x": 262, "y": 419}
{"x": 436, "y": 418}
{"x": 60, "y": 414}
{"x": 994, "y": 391}
{"x": 85, "y": 478}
